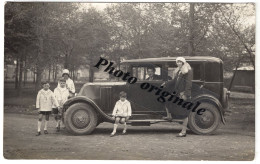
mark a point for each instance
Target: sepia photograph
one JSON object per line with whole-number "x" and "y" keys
{"x": 129, "y": 81}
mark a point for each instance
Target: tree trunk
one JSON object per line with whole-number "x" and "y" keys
{"x": 19, "y": 90}
{"x": 53, "y": 73}
{"x": 38, "y": 79}
{"x": 34, "y": 79}
{"x": 91, "y": 74}
{"x": 56, "y": 72}
{"x": 49, "y": 77}
{"x": 66, "y": 63}
{"x": 39, "y": 68}
{"x": 16, "y": 73}
{"x": 25, "y": 73}
{"x": 191, "y": 50}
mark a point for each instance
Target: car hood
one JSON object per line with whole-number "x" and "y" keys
{"x": 92, "y": 90}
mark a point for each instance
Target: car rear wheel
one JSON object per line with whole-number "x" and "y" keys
{"x": 80, "y": 118}
{"x": 206, "y": 123}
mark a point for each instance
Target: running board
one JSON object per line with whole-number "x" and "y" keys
{"x": 148, "y": 122}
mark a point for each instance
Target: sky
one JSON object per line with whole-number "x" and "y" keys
{"x": 246, "y": 20}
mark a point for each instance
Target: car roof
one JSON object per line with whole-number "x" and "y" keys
{"x": 165, "y": 59}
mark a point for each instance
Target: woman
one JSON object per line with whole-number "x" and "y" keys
{"x": 181, "y": 86}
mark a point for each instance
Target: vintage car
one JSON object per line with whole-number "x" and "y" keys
{"x": 95, "y": 101}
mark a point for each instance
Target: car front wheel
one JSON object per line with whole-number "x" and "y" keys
{"x": 206, "y": 123}
{"x": 80, "y": 118}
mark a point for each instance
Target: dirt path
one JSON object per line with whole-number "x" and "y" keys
{"x": 234, "y": 141}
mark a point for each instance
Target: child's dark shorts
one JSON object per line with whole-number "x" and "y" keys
{"x": 55, "y": 110}
{"x": 45, "y": 112}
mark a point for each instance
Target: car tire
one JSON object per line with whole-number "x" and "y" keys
{"x": 80, "y": 118}
{"x": 206, "y": 123}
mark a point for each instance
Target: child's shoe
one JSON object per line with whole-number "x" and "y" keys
{"x": 57, "y": 129}
{"x": 112, "y": 134}
{"x": 181, "y": 134}
{"x": 124, "y": 132}
{"x": 45, "y": 132}
{"x": 38, "y": 133}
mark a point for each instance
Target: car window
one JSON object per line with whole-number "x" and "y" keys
{"x": 141, "y": 72}
{"x": 217, "y": 76}
{"x": 196, "y": 71}
{"x": 194, "y": 67}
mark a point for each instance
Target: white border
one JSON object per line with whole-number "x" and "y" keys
{"x": 257, "y": 122}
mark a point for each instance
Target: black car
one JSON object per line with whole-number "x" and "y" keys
{"x": 95, "y": 101}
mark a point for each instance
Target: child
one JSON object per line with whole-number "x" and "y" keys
{"x": 121, "y": 113}
{"x": 44, "y": 102}
{"x": 61, "y": 93}
{"x": 69, "y": 83}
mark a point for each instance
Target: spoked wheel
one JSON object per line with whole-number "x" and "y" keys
{"x": 80, "y": 118}
{"x": 206, "y": 123}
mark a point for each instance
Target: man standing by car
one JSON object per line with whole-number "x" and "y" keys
{"x": 151, "y": 74}
{"x": 181, "y": 86}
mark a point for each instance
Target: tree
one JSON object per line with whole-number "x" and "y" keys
{"x": 233, "y": 22}
{"x": 230, "y": 37}
{"x": 93, "y": 39}
{"x": 17, "y": 37}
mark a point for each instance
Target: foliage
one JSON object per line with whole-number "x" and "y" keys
{"x": 73, "y": 34}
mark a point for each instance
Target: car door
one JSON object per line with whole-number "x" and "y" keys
{"x": 144, "y": 101}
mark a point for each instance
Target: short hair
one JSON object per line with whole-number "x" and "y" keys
{"x": 151, "y": 67}
{"x": 65, "y": 74}
{"x": 45, "y": 82}
{"x": 123, "y": 94}
{"x": 62, "y": 79}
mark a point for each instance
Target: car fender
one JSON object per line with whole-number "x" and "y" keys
{"x": 211, "y": 99}
{"x": 83, "y": 99}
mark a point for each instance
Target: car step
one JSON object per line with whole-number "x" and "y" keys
{"x": 147, "y": 122}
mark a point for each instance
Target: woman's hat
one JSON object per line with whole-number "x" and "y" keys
{"x": 66, "y": 71}
{"x": 182, "y": 59}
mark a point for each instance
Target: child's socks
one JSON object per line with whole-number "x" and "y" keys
{"x": 45, "y": 125}
{"x": 39, "y": 126}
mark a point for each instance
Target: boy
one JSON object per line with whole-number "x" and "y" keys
{"x": 69, "y": 83}
{"x": 61, "y": 93}
{"x": 121, "y": 113}
{"x": 44, "y": 102}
